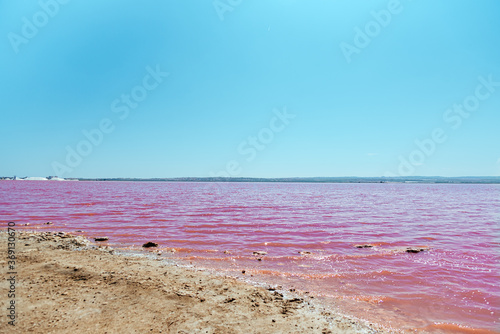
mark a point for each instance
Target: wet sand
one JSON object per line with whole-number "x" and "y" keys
{"x": 65, "y": 283}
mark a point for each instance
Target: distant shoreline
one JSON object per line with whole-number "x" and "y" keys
{"x": 417, "y": 179}
{"x": 346, "y": 179}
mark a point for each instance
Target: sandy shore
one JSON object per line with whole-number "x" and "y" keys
{"x": 64, "y": 283}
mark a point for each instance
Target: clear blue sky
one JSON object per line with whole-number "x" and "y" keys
{"x": 64, "y": 69}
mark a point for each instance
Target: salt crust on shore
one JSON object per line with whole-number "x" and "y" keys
{"x": 67, "y": 284}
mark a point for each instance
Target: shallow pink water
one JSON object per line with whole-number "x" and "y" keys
{"x": 451, "y": 288}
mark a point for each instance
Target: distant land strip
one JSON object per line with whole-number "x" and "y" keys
{"x": 348, "y": 179}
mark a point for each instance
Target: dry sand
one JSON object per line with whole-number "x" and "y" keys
{"x": 65, "y": 284}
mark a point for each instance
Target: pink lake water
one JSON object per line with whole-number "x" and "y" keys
{"x": 453, "y": 287}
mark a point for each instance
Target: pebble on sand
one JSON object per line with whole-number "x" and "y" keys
{"x": 101, "y": 239}
{"x": 150, "y": 244}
